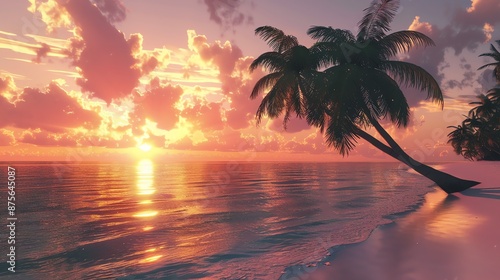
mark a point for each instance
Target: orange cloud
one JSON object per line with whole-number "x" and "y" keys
{"x": 479, "y": 13}
{"x": 6, "y": 138}
{"x": 43, "y": 138}
{"x": 157, "y": 105}
{"x": 204, "y": 115}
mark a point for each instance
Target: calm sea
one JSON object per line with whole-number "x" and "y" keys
{"x": 230, "y": 220}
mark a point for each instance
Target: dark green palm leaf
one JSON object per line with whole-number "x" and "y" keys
{"x": 415, "y": 76}
{"x": 271, "y": 61}
{"x": 384, "y": 93}
{"x": 403, "y": 41}
{"x": 377, "y": 18}
{"x": 341, "y": 135}
{"x": 265, "y": 83}
{"x": 276, "y": 38}
{"x": 489, "y": 64}
{"x": 329, "y": 34}
{"x": 275, "y": 100}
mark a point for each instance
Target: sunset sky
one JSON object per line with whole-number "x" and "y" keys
{"x": 126, "y": 79}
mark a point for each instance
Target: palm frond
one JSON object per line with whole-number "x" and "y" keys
{"x": 329, "y": 34}
{"x": 488, "y": 65}
{"x": 384, "y": 93}
{"x": 265, "y": 83}
{"x": 271, "y": 61}
{"x": 494, "y": 50}
{"x": 274, "y": 101}
{"x": 494, "y": 95}
{"x": 327, "y": 54}
{"x": 403, "y": 41}
{"x": 415, "y": 76}
{"x": 377, "y": 18}
{"x": 276, "y": 38}
{"x": 496, "y": 56}
{"x": 341, "y": 135}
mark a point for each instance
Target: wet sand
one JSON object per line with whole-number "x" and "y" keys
{"x": 454, "y": 237}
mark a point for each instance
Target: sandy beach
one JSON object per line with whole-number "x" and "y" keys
{"x": 453, "y": 237}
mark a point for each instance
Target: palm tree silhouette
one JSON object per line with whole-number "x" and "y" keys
{"x": 495, "y": 54}
{"x": 479, "y": 135}
{"x": 344, "y": 84}
{"x": 292, "y": 78}
{"x": 463, "y": 141}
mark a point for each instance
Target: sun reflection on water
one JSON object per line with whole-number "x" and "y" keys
{"x": 145, "y": 177}
{"x": 145, "y": 187}
{"x": 444, "y": 219}
{"x": 151, "y": 259}
{"x": 145, "y": 214}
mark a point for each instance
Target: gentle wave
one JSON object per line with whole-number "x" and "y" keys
{"x": 199, "y": 220}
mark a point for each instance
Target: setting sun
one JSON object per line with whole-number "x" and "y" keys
{"x": 145, "y": 147}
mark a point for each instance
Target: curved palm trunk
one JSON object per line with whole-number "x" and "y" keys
{"x": 446, "y": 182}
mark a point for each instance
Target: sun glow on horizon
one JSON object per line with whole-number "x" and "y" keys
{"x": 145, "y": 147}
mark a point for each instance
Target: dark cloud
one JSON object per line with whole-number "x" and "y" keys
{"x": 228, "y": 13}
{"x": 479, "y": 13}
{"x": 457, "y": 36}
{"x": 114, "y": 10}
{"x": 41, "y": 53}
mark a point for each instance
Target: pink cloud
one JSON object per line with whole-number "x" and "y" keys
{"x": 53, "y": 110}
{"x": 157, "y": 105}
{"x": 479, "y": 13}
{"x": 124, "y": 141}
{"x": 223, "y": 55}
{"x": 155, "y": 140}
{"x": 314, "y": 144}
{"x": 104, "y": 57}
{"x": 44, "y": 138}
{"x": 236, "y": 81}
{"x": 204, "y": 115}
{"x": 293, "y": 125}
{"x": 432, "y": 58}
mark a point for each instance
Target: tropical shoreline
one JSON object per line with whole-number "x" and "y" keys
{"x": 448, "y": 237}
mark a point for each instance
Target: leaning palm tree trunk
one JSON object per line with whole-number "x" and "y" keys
{"x": 446, "y": 182}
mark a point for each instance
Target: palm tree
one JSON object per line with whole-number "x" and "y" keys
{"x": 293, "y": 72}
{"x": 495, "y": 54}
{"x": 349, "y": 83}
{"x": 463, "y": 141}
{"x": 479, "y": 135}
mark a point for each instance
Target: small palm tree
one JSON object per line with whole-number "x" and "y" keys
{"x": 347, "y": 83}
{"x": 495, "y": 54}
{"x": 479, "y": 135}
{"x": 463, "y": 141}
{"x": 293, "y": 71}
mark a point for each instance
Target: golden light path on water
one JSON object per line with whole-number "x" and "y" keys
{"x": 145, "y": 189}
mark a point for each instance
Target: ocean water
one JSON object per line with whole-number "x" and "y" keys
{"x": 226, "y": 220}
